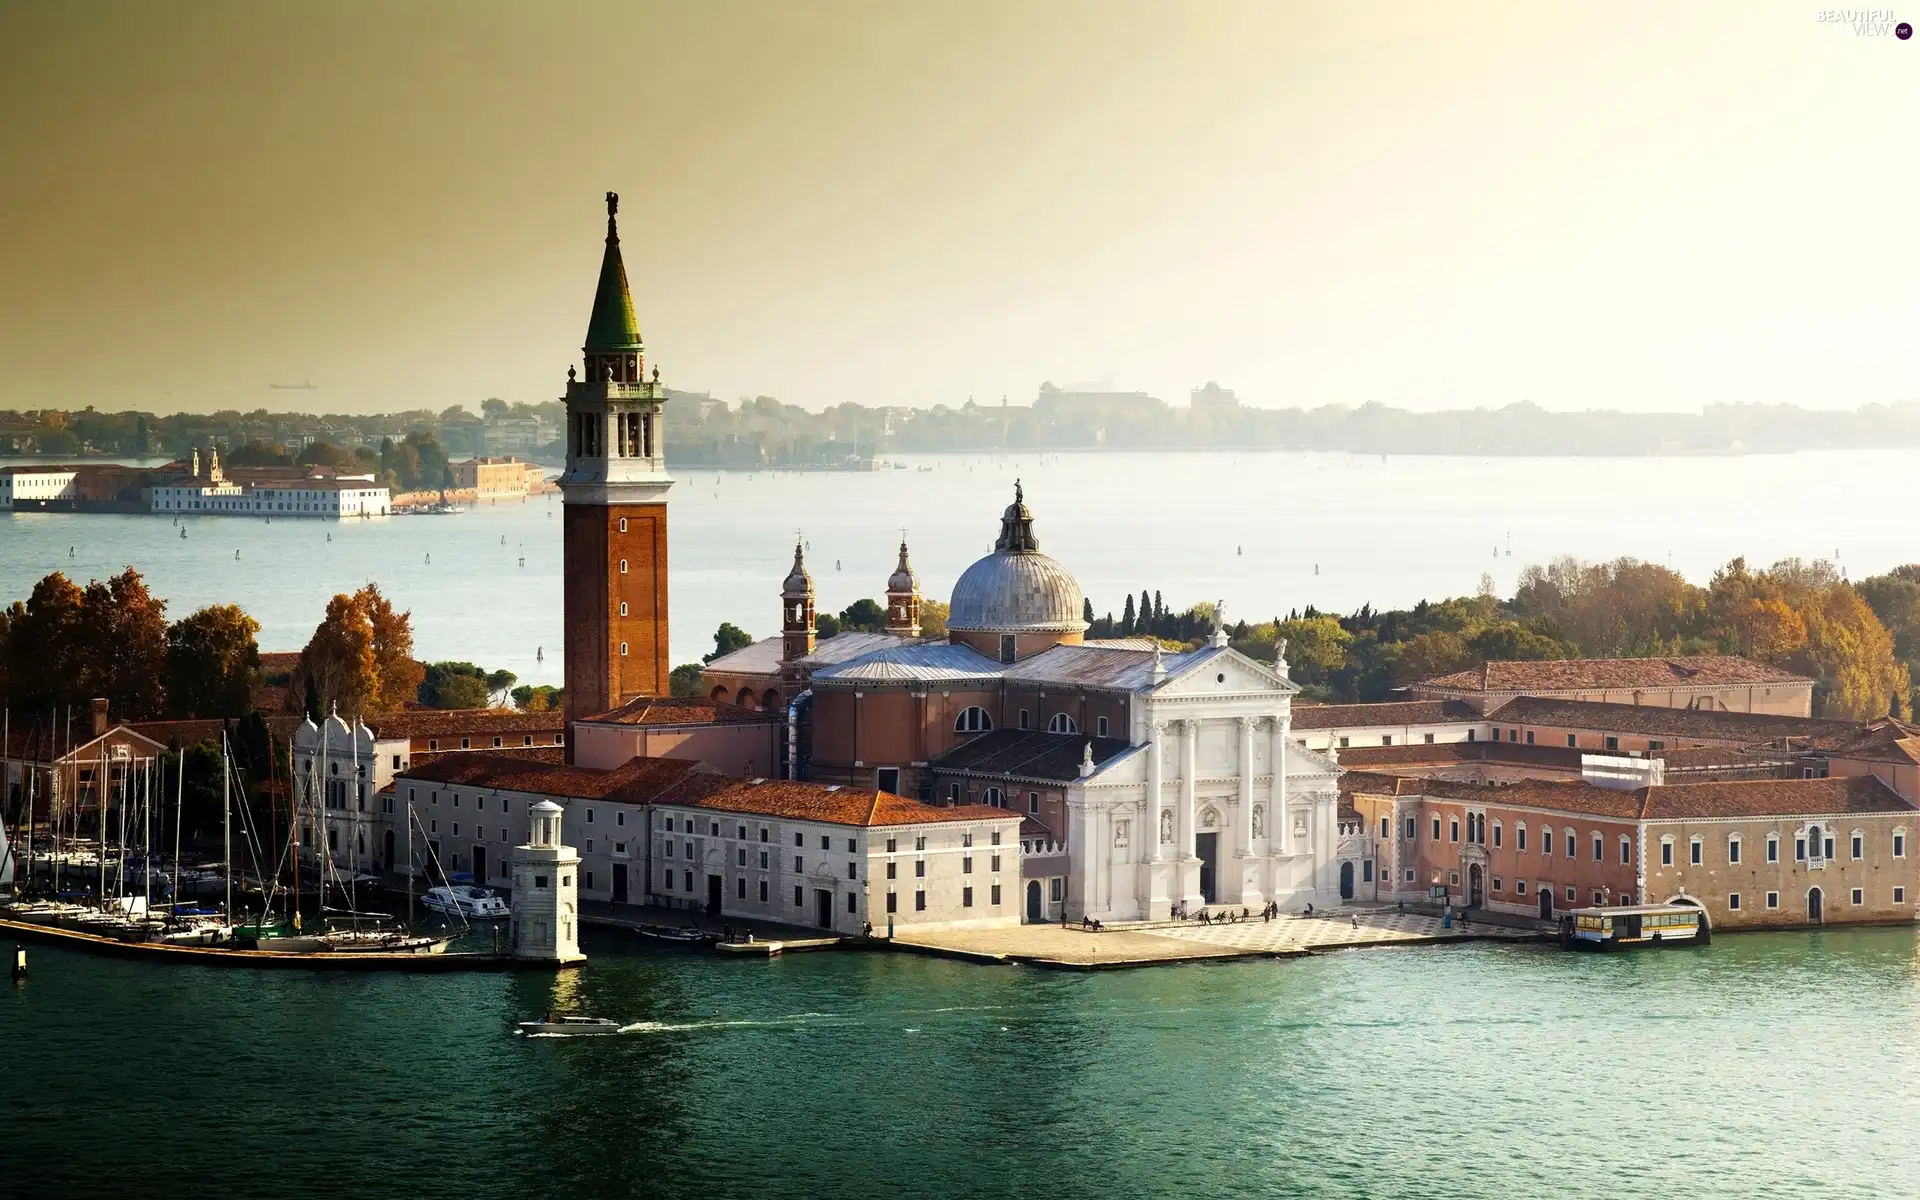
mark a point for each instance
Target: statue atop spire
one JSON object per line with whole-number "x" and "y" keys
{"x": 1016, "y": 526}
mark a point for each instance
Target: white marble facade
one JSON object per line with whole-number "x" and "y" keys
{"x": 1196, "y": 813}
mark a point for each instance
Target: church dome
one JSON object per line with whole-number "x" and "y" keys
{"x": 903, "y": 578}
{"x": 1016, "y": 589}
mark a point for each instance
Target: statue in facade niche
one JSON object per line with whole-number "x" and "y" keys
{"x": 1120, "y": 833}
{"x": 1166, "y": 826}
{"x": 1259, "y": 821}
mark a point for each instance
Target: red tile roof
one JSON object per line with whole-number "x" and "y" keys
{"x": 655, "y": 711}
{"x": 1392, "y": 713}
{"x": 471, "y": 722}
{"x": 1582, "y": 674}
{"x": 637, "y": 781}
{"x": 1861, "y": 794}
{"x": 831, "y": 805}
{"x": 1885, "y": 740}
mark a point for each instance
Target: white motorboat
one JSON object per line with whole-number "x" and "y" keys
{"x": 466, "y": 900}
{"x": 570, "y": 1026}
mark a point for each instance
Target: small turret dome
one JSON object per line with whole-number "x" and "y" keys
{"x": 903, "y": 578}
{"x": 798, "y": 583}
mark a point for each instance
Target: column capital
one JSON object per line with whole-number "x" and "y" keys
{"x": 1247, "y": 723}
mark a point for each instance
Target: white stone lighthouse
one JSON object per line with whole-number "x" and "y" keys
{"x": 546, "y": 904}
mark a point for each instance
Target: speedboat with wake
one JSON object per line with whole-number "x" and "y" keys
{"x": 552, "y": 1026}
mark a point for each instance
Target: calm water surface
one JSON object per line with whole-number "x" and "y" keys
{"x": 1764, "y": 1065}
{"x": 1252, "y": 528}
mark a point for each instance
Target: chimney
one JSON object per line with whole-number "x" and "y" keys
{"x": 99, "y": 715}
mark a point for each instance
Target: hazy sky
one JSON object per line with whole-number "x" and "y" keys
{"x": 1433, "y": 205}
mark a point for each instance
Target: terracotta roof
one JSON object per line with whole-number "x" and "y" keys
{"x": 1027, "y": 754}
{"x": 1571, "y": 796}
{"x": 1654, "y": 720}
{"x": 1394, "y": 713}
{"x": 453, "y": 722}
{"x": 654, "y": 711}
{"x": 539, "y": 754}
{"x": 1577, "y": 674}
{"x": 1772, "y": 798}
{"x": 832, "y": 805}
{"x": 637, "y": 781}
{"x": 1377, "y": 783}
{"x": 278, "y": 662}
{"x": 1885, "y": 740}
{"x": 1564, "y": 757}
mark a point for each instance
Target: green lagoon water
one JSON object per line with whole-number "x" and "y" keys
{"x": 1764, "y": 1065}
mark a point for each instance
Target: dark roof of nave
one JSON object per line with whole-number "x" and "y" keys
{"x": 1027, "y": 754}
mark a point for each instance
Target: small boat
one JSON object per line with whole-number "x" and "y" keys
{"x": 570, "y": 1026}
{"x": 684, "y": 933}
{"x": 1632, "y": 927}
{"x": 474, "y": 903}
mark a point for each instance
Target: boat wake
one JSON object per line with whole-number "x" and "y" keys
{"x": 768, "y": 1023}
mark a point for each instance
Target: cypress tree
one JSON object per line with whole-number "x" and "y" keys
{"x": 1126, "y": 617}
{"x": 1086, "y": 610}
{"x": 1146, "y": 613}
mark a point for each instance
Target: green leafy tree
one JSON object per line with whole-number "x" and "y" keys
{"x": 728, "y": 638}
{"x": 864, "y": 616}
{"x": 213, "y": 663}
{"x": 684, "y": 681}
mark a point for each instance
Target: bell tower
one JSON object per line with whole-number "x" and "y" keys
{"x": 903, "y": 597}
{"x": 614, "y": 524}
{"x": 797, "y": 633}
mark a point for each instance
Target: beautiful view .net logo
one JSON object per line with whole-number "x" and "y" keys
{"x": 1866, "y": 22}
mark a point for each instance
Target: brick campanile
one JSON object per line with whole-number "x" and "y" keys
{"x": 615, "y": 508}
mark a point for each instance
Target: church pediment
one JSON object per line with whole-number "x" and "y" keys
{"x": 1223, "y": 671}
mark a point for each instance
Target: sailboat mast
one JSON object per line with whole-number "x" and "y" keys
{"x": 100, "y": 794}
{"x": 409, "y": 860}
{"x": 226, "y": 823}
{"x": 146, "y": 833}
{"x": 321, "y": 853}
{"x": 293, "y": 826}
{"x": 179, "y": 811}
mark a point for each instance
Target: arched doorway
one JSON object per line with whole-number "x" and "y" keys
{"x": 745, "y": 698}
{"x": 718, "y": 693}
{"x": 1346, "y": 881}
{"x": 1814, "y": 905}
{"x": 1476, "y": 886}
{"x": 1035, "y": 912}
{"x": 1546, "y": 902}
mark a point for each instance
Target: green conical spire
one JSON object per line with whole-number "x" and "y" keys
{"x": 612, "y": 325}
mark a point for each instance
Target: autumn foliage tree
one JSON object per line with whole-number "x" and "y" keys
{"x": 65, "y": 645}
{"x": 360, "y": 657}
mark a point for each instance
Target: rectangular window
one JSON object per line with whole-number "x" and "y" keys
{"x": 763, "y": 891}
{"x": 1410, "y": 828}
{"x": 1613, "y": 743}
{"x": 1799, "y": 849}
{"x": 1033, "y": 802}
{"x": 888, "y": 779}
{"x": 1453, "y": 829}
{"x": 1529, "y": 737}
{"x": 1773, "y": 899}
{"x": 1695, "y": 852}
{"x": 1856, "y": 845}
{"x": 1025, "y": 719}
{"x": 586, "y": 880}
{"x": 1666, "y": 854}
{"x": 953, "y": 793}
{"x": 853, "y": 902}
{"x": 893, "y": 903}
{"x": 919, "y": 902}
{"x": 1386, "y": 828}
{"x": 853, "y": 870}
{"x": 763, "y": 860}
{"x": 1343, "y": 743}
{"x": 1599, "y": 849}
{"x": 740, "y": 856}
{"x": 1626, "y": 851}
{"x": 741, "y": 888}
{"x": 1858, "y": 896}
{"x": 1519, "y": 886}
{"x": 892, "y": 870}
{"x": 1471, "y": 735}
{"x": 1899, "y": 895}
{"x": 1496, "y": 883}
{"x": 1436, "y": 829}
{"x": 1546, "y": 841}
{"x": 966, "y": 897}
{"x": 893, "y": 844}
{"x": 1429, "y": 739}
{"x": 1599, "y": 897}
{"x": 1733, "y": 901}
{"x": 1899, "y": 845}
{"x": 1520, "y": 838}
{"x": 919, "y": 868}
{"x": 799, "y": 896}
{"x": 994, "y": 897}
{"x": 966, "y": 865}
{"x": 826, "y": 843}
{"x": 1409, "y": 875}
{"x": 763, "y": 833}
{"x": 920, "y": 843}
{"x": 1572, "y": 740}
{"x": 799, "y": 839}
{"x": 995, "y": 864}
{"x": 1387, "y": 740}
{"x": 1513, "y": 735}
{"x": 689, "y": 875}
{"x": 798, "y": 867}
{"x": 1100, "y": 727}
{"x": 1773, "y": 849}
{"x": 1496, "y": 835}
{"x": 1569, "y": 895}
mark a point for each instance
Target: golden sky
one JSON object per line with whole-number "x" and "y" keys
{"x": 1635, "y": 205}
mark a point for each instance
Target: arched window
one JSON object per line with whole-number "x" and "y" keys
{"x": 1573, "y": 850}
{"x": 745, "y": 698}
{"x": 972, "y": 719}
{"x": 623, "y": 524}
{"x": 1062, "y": 723}
{"x": 996, "y": 798}
{"x": 1814, "y": 846}
{"x": 623, "y": 566}
{"x": 1519, "y": 835}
